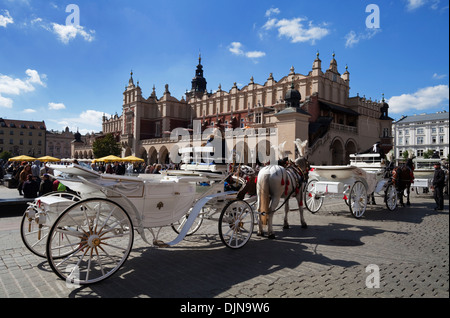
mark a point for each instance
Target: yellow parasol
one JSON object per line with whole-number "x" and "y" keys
{"x": 48, "y": 159}
{"x": 22, "y": 158}
{"x": 110, "y": 158}
{"x": 133, "y": 159}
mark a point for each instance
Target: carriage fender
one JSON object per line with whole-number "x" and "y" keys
{"x": 195, "y": 212}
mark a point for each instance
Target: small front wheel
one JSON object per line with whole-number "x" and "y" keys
{"x": 390, "y": 197}
{"x": 313, "y": 200}
{"x": 236, "y": 224}
{"x": 358, "y": 199}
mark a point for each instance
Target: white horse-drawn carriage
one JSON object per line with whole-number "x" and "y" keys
{"x": 87, "y": 235}
{"x": 365, "y": 176}
{"x": 423, "y": 174}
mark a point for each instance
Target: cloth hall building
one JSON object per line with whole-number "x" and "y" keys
{"x": 314, "y": 107}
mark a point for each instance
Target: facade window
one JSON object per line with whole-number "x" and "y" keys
{"x": 433, "y": 139}
{"x": 30, "y": 133}
{"x": 406, "y": 140}
{"x": 242, "y": 123}
{"x": 30, "y": 142}
{"x": 419, "y": 152}
{"x": 406, "y": 131}
{"x": 441, "y": 130}
{"x": 433, "y": 130}
{"x": 441, "y": 139}
{"x": 400, "y": 140}
{"x": 258, "y": 118}
{"x": 400, "y": 132}
{"x": 11, "y": 133}
{"x": 420, "y": 140}
{"x": 11, "y": 142}
{"x": 420, "y": 131}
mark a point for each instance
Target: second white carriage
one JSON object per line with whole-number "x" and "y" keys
{"x": 354, "y": 183}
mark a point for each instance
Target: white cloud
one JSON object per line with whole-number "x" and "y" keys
{"x": 297, "y": 29}
{"x": 56, "y": 106}
{"x": 439, "y": 76}
{"x": 66, "y": 33}
{"x": 87, "y": 121}
{"x": 5, "y": 18}
{"x": 236, "y": 48}
{"x": 425, "y": 98}
{"x": 29, "y": 111}
{"x": 16, "y": 86}
{"x": 272, "y": 11}
{"x": 352, "y": 38}
{"x": 412, "y": 5}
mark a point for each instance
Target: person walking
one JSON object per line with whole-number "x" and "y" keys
{"x": 438, "y": 186}
{"x": 46, "y": 185}
{"x": 30, "y": 187}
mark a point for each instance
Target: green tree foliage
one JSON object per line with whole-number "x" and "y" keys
{"x": 106, "y": 146}
{"x": 5, "y": 155}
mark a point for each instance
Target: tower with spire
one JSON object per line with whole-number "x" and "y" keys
{"x": 198, "y": 82}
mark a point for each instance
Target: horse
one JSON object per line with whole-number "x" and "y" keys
{"x": 275, "y": 182}
{"x": 402, "y": 177}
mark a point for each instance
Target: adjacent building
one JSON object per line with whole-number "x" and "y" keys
{"x": 22, "y": 137}
{"x": 420, "y": 133}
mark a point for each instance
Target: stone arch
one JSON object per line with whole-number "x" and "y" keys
{"x": 152, "y": 156}
{"x": 242, "y": 153}
{"x": 128, "y": 151}
{"x": 350, "y": 148}
{"x": 163, "y": 155}
{"x": 264, "y": 152}
{"x": 337, "y": 151}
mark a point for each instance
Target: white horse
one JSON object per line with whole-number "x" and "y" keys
{"x": 275, "y": 182}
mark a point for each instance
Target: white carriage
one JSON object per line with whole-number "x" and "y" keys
{"x": 366, "y": 175}
{"x": 88, "y": 235}
{"x": 423, "y": 174}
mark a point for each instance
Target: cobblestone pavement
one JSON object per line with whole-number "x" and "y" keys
{"x": 329, "y": 259}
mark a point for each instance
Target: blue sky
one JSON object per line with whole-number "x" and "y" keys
{"x": 69, "y": 74}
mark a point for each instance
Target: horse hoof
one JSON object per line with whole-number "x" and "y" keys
{"x": 260, "y": 234}
{"x": 271, "y": 236}
{"x": 408, "y": 203}
{"x": 286, "y": 227}
{"x": 304, "y": 226}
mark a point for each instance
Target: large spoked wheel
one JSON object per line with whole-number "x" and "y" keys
{"x": 390, "y": 197}
{"x": 312, "y": 199}
{"x": 358, "y": 199}
{"x": 178, "y": 226}
{"x": 97, "y": 237}
{"x": 236, "y": 224}
{"x": 34, "y": 233}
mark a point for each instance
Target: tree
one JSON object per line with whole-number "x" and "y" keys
{"x": 428, "y": 154}
{"x": 106, "y": 146}
{"x": 5, "y": 155}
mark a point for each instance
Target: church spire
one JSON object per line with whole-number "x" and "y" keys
{"x": 198, "y": 82}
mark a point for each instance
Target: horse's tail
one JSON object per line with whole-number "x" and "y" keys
{"x": 263, "y": 191}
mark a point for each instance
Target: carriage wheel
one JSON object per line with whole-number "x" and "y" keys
{"x": 358, "y": 199}
{"x": 178, "y": 226}
{"x": 313, "y": 201}
{"x": 34, "y": 235}
{"x": 236, "y": 224}
{"x": 390, "y": 197}
{"x": 97, "y": 237}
